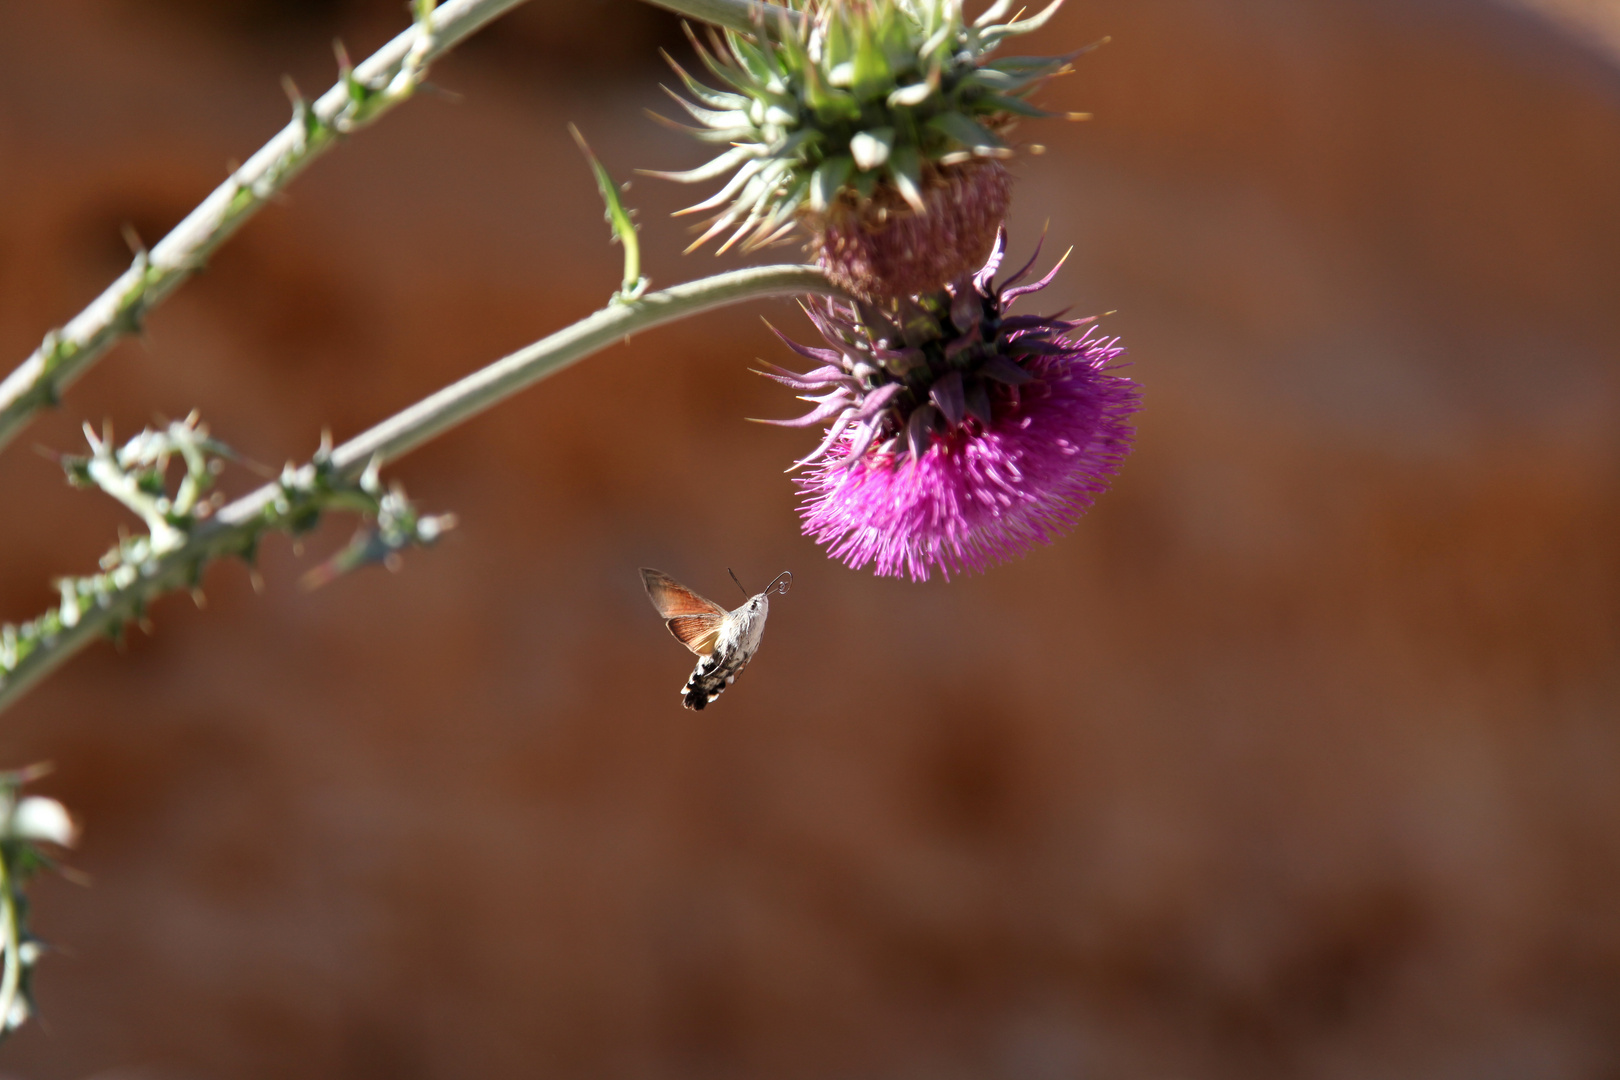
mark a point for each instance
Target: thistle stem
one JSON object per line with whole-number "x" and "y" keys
{"x": 235, "y": 527}
{"x": 11, "y": 943}
{"x": 380, "y": 82}
{"x": 735, "y": 14}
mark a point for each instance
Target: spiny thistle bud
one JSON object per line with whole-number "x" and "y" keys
{"x": 877, "y": 124}
{"x": 960, "y": 435}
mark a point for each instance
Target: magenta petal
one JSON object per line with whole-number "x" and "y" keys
{"x": 993, "y": 263}
{"x": 819, "y": 379}
{"x": 1009, "y": 295}
{"x": 860, "y": 439}
{"x": 1018, "y": 275}
{"x": 976, "y": 399}
{"x": 825, "y": 325}
{"x": 1033, "y": 322}
{"x": 967, "y": 310}
{"x": 821, "y": 412}
{"x": 1003, "y": 370}
{"x": 920, "y": 429}
{"x": 878, "y": 400}
{"x": 1034, "y": 346}
{"x": 947, "y": 393}
{"x": 826, "y": 444}
{"x": 826, "y": 356}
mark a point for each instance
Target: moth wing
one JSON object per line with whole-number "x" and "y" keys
{"x": 697, "y": 632}
{"x": 672, "y": 599}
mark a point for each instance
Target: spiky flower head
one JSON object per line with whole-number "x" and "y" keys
{"x": 877, "y": 124}
{"x": 960, "y": 435}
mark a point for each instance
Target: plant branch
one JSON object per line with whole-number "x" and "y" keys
{"x": 383, "y": 80}
{"x": 26, "y": 823}
{"x": 736, "y": 14}
{"x": 11, "y": 946}
{"x": 235, "y": 529}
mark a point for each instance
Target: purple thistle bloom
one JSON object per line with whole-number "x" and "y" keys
{"x": 961, "y": 436}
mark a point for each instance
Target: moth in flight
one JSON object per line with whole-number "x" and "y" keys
{"x": 724, "y": 641}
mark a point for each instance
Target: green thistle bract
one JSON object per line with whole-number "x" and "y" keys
{"x": 879, "y": 124}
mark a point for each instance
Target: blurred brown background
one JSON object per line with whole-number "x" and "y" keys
{"x": 1298, "y": 758}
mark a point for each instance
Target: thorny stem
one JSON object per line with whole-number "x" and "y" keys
{"x": 375, "y": 86}
{"x": 234, "y": 527}
{"x": 736, "y": 14}
{"x": 12, "y": 945}
{"x": 380, "y": 82}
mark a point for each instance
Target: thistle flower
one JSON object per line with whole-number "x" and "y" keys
{"x": 877, "y": 124}
{"x": 960, "y": 435}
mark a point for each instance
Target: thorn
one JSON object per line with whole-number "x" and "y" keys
{"x": 259, "y": 469}
{"x": 291, "y": 89}
{"x": 137, "y": 248}
{"x": 199, "y": 598}
{"x": 454, "y": 97}
{"x": 257, "y": 580}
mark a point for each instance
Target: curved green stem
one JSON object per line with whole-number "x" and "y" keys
{"x": 380, "y": 82}
{"x": 237, "y": 527}
{"x": 11, "y": 943}
{"x": 736, "y": 14}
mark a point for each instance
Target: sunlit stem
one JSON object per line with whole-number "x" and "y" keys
{"x": 736, "y": 14}
{"x": 372, "y": 88}
{"x": 11, "y": 979}
{"x": 233, "y": 528}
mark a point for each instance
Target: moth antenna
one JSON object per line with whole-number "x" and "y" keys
{"x": 788, "y": 574}
{"x": 740, "y": 584}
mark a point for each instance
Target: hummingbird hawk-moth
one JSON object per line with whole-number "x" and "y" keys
{"x": 724, "y": 641}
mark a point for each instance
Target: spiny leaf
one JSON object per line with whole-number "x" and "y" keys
{"x": 624, "y": 229}
{"x": 965, "y": 131}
